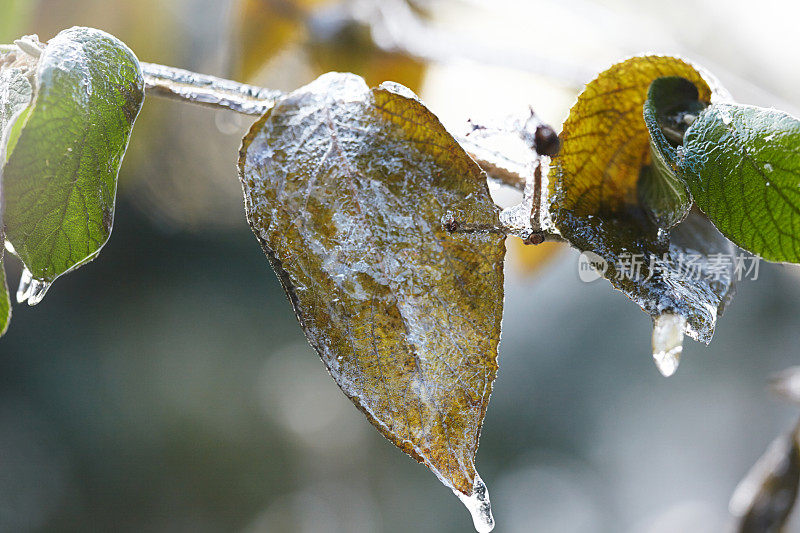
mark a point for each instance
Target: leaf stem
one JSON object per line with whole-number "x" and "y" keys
{"x": 210, "y": 91}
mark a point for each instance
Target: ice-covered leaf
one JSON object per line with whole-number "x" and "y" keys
{"x": 764, "y": 499}
{"x": 595, "y": 202}
{"x": 16, "y": 70}
{"x": 345, "y": 187}
{"x": 60, "y": 179}
{"x": 5, "y": 299}
{"x": 671, "y": 106}
{"x": 742, "y": 165}
{"x": 605, "y": 141}
{"x": 15, "y": 90}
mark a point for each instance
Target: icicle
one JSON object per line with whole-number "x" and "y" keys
{"x": 479, "y": 506}
{"x": 668, "y": 342}
{"x": 30, "y": 289}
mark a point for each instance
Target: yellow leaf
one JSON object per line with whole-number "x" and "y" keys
{"x": 595, "y": 206}
{"x": 605, "y": 139}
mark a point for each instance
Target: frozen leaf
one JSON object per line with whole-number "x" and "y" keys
{"x": 5, "y": 300}
{"x": 595, "y": 201}
{"x": 672, "y": 104}
{"x": 742, "y": 165}
{"x": 605, "y": 141}
{"x": 60, "y": 178}
{"x": 764, "y": 499}
{"x": 345, "y": 189}
{"x": 16, "y": 70}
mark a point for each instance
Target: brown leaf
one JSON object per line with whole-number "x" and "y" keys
{"x": 345, "y": 188}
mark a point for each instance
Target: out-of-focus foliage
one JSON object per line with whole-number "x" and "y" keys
{"x": 329, "y": 33}
{"x": 345, "y": 188}
{"x": 529, "y": 259}
{"x": 766, "y": 497}
{"x": 265, "y": 27}
{"x": 15, "y": 15}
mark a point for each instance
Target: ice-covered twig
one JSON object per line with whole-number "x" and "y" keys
{"x": 187, "y": 86}
{"x": 526, "y": 175}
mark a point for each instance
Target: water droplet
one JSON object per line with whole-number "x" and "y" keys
{"x": 479, "y": 506}
{"x": 726, "y": 118}
{"x": 31, "y": 289}
{"x": 668, "y": 342}
{"x": 768, "y": 167}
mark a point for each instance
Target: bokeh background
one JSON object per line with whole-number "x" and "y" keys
{"x": 166, "y": 387}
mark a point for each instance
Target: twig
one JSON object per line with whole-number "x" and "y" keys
{"x": 210, "y": 91}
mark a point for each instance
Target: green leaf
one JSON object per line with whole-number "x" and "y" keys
{"x": 663, "y": 195}
{"x": 5, "y": 299}
{"x": 742, "y": 166}
{"x": 345, "y": 189}
{"x": 60, "y": 179}
{"x": 603, "y": 192}
{"x": 15, "y": 96}
{"x": 672, "y": 104}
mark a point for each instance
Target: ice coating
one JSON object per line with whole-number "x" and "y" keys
{"x": 31, "y": 290}
{"x": 60, "y": 190}
{"x": 594, "y": 200}
{"x": 479, "y": 506}
{"x": 347, "y": 189}
{"x": 668, "y": 332}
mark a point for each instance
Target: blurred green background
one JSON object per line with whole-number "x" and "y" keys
{"x": 166, "y": 387}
